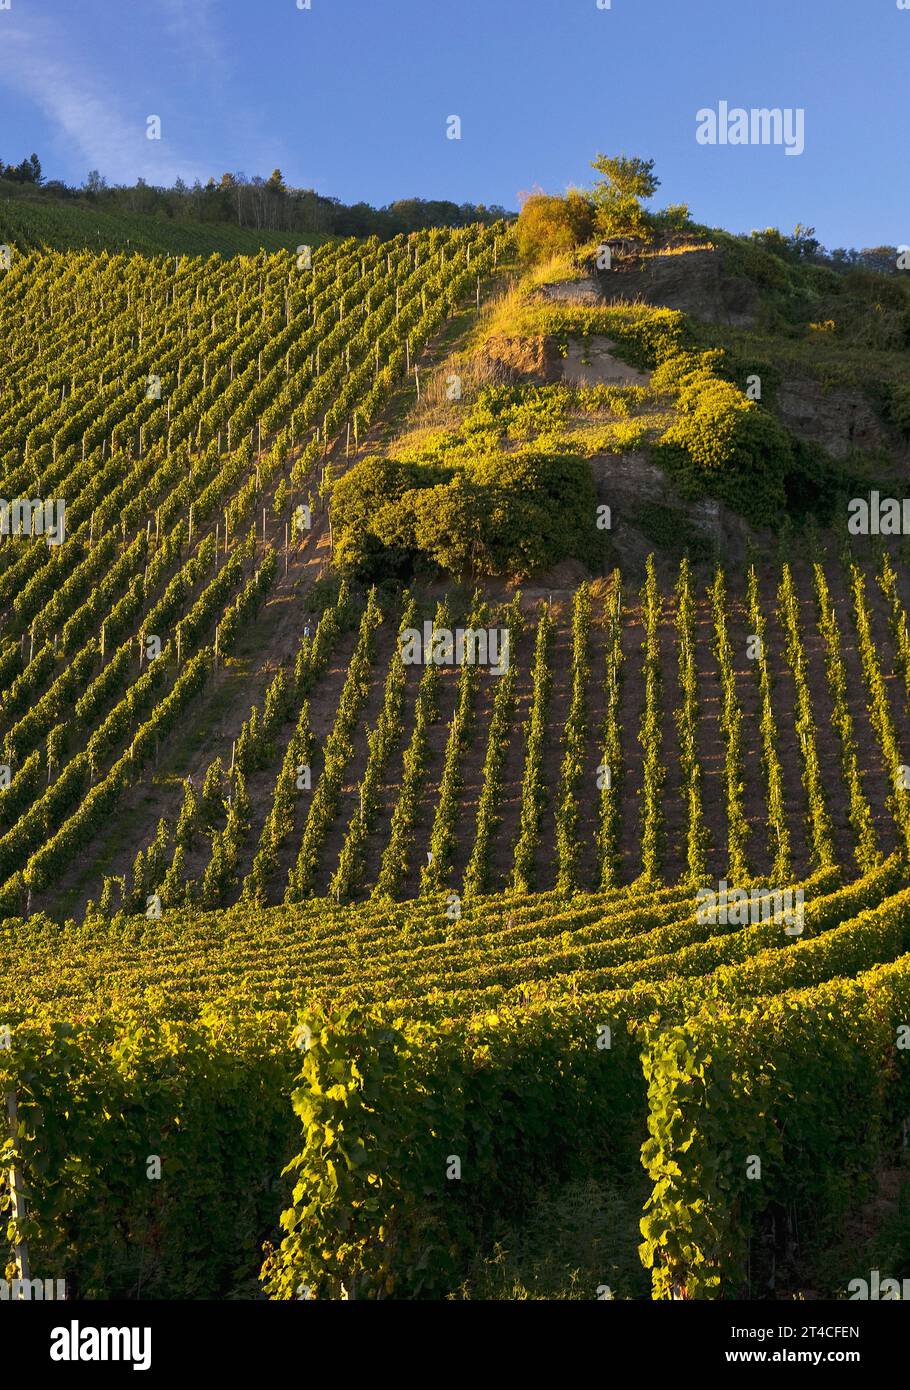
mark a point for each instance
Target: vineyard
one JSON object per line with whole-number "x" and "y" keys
{"x": 188, "y": 443}
{"x": 33, "y": 223}
{"x": 360, "y": 954}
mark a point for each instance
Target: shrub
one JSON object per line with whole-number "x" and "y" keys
{"x": 548, "y": 226}
{"x": 370, "y": 534}
{"x": 503, "y": 513}
{"x": 723, "y": 442}
{"x": 674, "y": 218}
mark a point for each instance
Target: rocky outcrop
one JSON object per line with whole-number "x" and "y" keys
{"x": 630, "y": 481}
{"x": 513, "y": 361}
{"x": 591, "y": 362}
{"x": 585, "y": 292}
{"x": 841, "y": 419}
{"x": 694, "y": 282}
{"x": 538, "y": 361}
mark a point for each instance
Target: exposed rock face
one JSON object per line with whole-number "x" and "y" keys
{"x": 588, "y": 362}
{"x": 573, "y": 292}
{"x": 514, "y": 361}
{"x": 694, "y": 283}
{"x": 592, "y": 363}
{"x": 840, "y": 419}
{"x": 627, "y": 482}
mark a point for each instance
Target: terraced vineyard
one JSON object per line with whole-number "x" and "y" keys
{"x": 361, "y": 955}
{"x": 683, "y": 734}
{"x": 186, "y": 436}
{"x": 548, "y": 968}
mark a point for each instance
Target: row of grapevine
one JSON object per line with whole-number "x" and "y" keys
{"x": 396, "y": 855}
{"x": 687, "y": 727}
{"x": 383, "y": 740}
{"x": 861, "y": 819}
{"x": 819, "y": 819}
{"x": 533, "y": 786}
{"x": 436, "y": 873}
{"x": 337, "y": 754}
{"x": 731, "y": 726}
{"x": 879, "y": 706}
{"x": 778, "y": 830}
{"x": 568, "y": 847}
{"x": 650, "y": 735}
{"x": 477, "y": 872}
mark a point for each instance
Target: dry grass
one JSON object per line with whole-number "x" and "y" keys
{"x": 679, "y": 250}
{"x": 511, "y": 314}
{"x": 436, "y": 410}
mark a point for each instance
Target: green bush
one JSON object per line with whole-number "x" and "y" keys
{"x": 100, "y": 1100}
{"x": 366, "y": 511}
{"x": 674, "y": 218}
{"x": 722, "y": 442}
{"x": 810, "y": 1086}
{"x": 379, "y": 1207}
{"x": 501, "y": 513}
{"x": 548, "y": 225}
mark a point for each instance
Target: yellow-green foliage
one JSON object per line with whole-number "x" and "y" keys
{"x": 198, "y": 1024}
{"x": 513, "y": 512}
{"x": 550, "y": 226}
{"x": 505, "y": 493}
{"x": 722, "y": 441}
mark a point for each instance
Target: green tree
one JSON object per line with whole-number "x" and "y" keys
{"x": 618, "y": 195}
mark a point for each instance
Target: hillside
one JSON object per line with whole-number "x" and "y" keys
{"x": 436, "y": 931}
{"x": 237, "y": 216}
{"x": 52, "y": 225}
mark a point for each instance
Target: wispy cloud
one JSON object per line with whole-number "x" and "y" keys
{"x": 85, "y": 108}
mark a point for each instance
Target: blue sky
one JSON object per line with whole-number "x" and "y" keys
{"x": 351, "y": 97}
